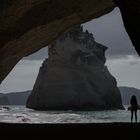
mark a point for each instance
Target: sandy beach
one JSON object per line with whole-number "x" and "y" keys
{"x": 89, "y": 129}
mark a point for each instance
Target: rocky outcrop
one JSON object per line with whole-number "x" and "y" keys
{"x": 130, "y": 10}
{"x": 74, "y": 76}
{"x": 28, "y": 25}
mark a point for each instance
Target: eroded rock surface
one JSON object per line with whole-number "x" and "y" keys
{"x": 28, "y": 25}
{"x": 75, "y": 76}
{"x": 130, "y": 10}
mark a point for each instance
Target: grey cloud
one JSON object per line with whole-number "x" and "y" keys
{"x": 133, "y": 63}
{"x": 22, "y": 77}
{"x": 107, "y": 30}
{"x": 124, "y": 72}
{"x": 40, "y": 55}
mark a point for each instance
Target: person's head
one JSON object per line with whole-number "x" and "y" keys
{"x": 133, "y": 97}
{"x": 133, "y": 100}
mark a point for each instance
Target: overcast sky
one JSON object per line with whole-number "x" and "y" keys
{"x": 122, "y": 60}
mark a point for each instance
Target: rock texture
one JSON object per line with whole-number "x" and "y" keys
{"x": 28, "y": 25}
{"x": 74, "y": 76}
{"x": 130, "y": 10}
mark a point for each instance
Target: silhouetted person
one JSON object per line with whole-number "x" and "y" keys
{"x": 134, "y": 107}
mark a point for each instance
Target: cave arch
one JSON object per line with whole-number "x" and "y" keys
{"x": 24, "y": 30}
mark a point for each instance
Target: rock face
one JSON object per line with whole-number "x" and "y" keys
{"x": 28, "y": 25}
{"x": 130, "y": 10}
{"x": 74, "y": 76}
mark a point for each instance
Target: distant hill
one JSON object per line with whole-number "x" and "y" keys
{"x": 19, "y": 98}
{"x": 4, "y": 100}
{"x": 127, "y": 92}
{"x": 15, "y": 98}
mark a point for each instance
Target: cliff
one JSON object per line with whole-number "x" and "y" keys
{"x": 75, "y": 76}
{"x": 14, "y": 98}
{"x": 18, "y": 98}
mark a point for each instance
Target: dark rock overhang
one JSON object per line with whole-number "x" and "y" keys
{"x": 27, "y": 26}
{"x": 130, "y": 10}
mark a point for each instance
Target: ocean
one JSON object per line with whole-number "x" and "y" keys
{"x": 21, "y": 114}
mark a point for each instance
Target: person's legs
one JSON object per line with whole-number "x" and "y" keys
{"x": 131, "y": 115}
{"x": 135, "y": 115}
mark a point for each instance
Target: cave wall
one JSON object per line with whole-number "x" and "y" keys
{"x": 28, "y": 25}
{"x": 130, "y": 10}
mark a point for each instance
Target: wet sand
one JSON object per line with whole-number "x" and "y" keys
{"x": 89, "y": 129}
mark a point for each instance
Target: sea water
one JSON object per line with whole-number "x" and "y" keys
{"x": 21, "y": 114}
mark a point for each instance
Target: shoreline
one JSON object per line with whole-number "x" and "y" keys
{"x": 73, "y": 128}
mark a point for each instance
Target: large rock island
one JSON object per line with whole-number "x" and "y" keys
{"x": 74, "y": 77}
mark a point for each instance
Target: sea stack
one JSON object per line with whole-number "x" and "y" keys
{"x": 74, "y": 76}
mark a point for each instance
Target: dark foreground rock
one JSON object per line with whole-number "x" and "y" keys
{"x": 75, "y": 77}
{"x": 29, "y": 25}
{"x": 88, "y": 130}
{"x": 130, "y": 10}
